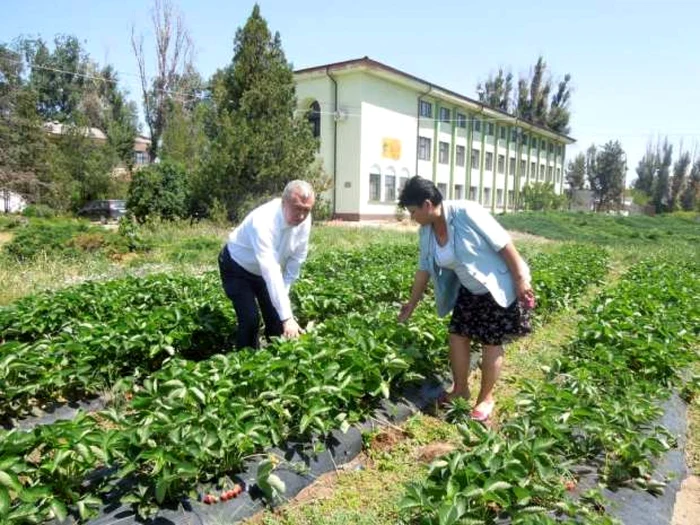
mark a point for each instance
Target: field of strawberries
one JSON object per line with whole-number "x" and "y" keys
{"x": 183, "y": 411}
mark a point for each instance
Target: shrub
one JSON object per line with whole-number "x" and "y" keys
{"x": 159, "y": 190}
{"x": 39, "y": 211}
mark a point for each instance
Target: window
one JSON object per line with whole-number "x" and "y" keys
{"x": 513, "y": 135}
{"x": 550, "y": 172}
{"x": 524, "y": 138}
{"x": 460, "y": 155}
{"x": 442, "y": 188}
{"x": 472, "y": 193}
{"x": 489, "y": 161}
{"x": 476, "y": 159}
{"x": 444, "y": 153}
{"x": 461, "y": 120}
{"x": 503, "y": 133}
{"x": 499, "y": 197}
{"x": 444, "y": 114}
{"x": 541, "y": 171}
{"x": 523, "y": 166}
{"x": 314, "y": 117}
{"x": 390, "y": 188}
{"x": 424, "y": 148}
{"x": 558, "y": 175}
{"x": 533, "y": 169}
{"x": 375, "y": 181}
{"x": 501, "y": 164}
{"x": 477, "y": 126}
{"x": 510, "y": 198}
{"x": 543, "y": 144}
{"x": 459, "y": 192}
{"x": 140, "y": 158}
{"x": 426, "y": 109}
{"x": 511, "y": 169}
{"x": 551, "y": 148}
{"x": 402, "y": 183}
{"x": 489, "y": 128}
{"x": 487, "y": 197}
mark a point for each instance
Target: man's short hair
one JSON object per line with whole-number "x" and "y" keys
{"x": 300, "y": 187}
{"x": 417, "y": 190}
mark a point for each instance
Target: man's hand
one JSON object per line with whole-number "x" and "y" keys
{"x": 406, "y": 311}
{"x": 290, "y": 329}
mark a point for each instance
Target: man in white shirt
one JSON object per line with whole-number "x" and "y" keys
{"x": 261, "y": 260}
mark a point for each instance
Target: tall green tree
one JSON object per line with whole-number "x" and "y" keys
{"x": 534, "y": 100}
{"x": 497, "y": 91}
{"x": 259, "y": 143}
{"x": 646, "y": 170}
{"x": 171, "y": 82}
{"x": 608, "y": 177}
{"x": 24, "y": 147}
{"x": 661, "y": 189}
{"x": 678, "y": 181}
{"x": 690, "y": 199}
{"x": 576, "y": 172}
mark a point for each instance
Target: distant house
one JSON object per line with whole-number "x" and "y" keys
{"x": 141, "y": 144}
{"x": 11, "y": 202}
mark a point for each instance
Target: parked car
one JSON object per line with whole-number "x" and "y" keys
{"x": 104, "y": 210}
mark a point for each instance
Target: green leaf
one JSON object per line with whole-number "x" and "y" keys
{"x": 10, "y": 481}
{"x": 58, "y": 509}
{"x": 277, "y": 484}
{"x": 161, "y": 489}
{"x": 4, "y": 501}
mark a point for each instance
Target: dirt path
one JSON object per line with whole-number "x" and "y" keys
{"x": 5, "y": 237}
{"x": 687, "y": 509}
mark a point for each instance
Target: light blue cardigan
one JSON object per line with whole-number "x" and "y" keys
{"x": 478, "y": 238}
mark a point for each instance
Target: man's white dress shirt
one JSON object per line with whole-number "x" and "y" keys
{"x": 265, "y": 245}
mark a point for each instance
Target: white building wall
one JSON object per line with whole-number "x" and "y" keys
{"x": 388, "y": 115}
{"x": 375, "y": 110}
{"x": 11, "y": 202}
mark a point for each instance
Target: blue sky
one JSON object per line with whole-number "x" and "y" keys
{"x": 634, "y": 63}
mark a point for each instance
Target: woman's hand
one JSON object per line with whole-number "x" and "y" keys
{"x": 406, "y": 311}
{"x": 526, "y": 296}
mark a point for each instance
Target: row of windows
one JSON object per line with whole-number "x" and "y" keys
{"x": 424, "y": 153}
{"x": 426, "y": 110}
{"x": 391, "y": 191}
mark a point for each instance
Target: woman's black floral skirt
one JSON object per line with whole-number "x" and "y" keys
{"x": 482, "y": 319}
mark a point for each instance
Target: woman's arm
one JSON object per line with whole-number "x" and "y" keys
{"x": 420, "y": 282}
{"x": 521, "y": 275}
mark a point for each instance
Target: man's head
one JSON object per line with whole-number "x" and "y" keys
{"x": 297, "y": 200}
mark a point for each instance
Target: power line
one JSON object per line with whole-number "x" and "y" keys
{"x": 101, "y": 78}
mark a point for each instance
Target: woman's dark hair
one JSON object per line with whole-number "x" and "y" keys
{"x": 417, "y": 190}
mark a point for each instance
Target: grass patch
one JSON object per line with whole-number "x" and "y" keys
{"x": 607, "y": 229}
{"x": 368, "y": 495}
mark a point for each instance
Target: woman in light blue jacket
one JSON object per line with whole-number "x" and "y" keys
{"x": 477, "y": 274}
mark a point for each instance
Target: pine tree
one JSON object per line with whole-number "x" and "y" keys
{"x": 260, "y": 145}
